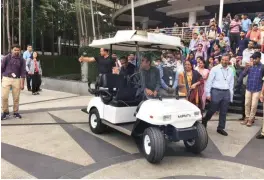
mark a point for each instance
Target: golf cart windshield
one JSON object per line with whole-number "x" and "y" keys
{"x": 141, "y": 42}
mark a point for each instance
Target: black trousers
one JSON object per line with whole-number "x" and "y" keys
{"x": 28, "y": 78}
{"x": 234, "y": 38}
{"x": 35, "y": 82}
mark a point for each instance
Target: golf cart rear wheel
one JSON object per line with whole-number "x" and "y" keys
{"x": 198, "y": 144}
{"x": 95, "y": 122}
{"x": 153, "y": 144}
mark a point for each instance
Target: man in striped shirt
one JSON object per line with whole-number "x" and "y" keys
{"x": 235, "y": 32}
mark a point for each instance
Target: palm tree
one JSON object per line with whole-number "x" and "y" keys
{"x": 7, "y": 25}
{"x": 19, "y": 22}
{"x": 4, "y": 27}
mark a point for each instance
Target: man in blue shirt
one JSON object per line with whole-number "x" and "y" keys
{"x": 246, "y": 23}
{"x": 26, "y": 55}
{"x": 255, "y": 72}
{"x": 242, "y": 43}
{"x": 219, "y": 90}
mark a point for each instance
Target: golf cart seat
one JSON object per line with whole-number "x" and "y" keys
{"x": 124, "y": 95}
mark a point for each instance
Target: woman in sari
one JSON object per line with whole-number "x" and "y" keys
{"x": 205, "y": 73}
{"x": 195, "y": 85}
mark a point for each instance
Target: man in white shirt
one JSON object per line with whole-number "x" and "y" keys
{"x": 257, "y": 19}
{"x": 247, "y": 53}
{"x": 219, "y": 90}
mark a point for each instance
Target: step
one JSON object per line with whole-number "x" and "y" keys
{"x": 238, "y": 110}
{"x": 239, "y": 103}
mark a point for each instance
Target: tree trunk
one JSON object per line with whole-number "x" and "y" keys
{"x": 8, "y": 25}
{"x": 4, "y": 28}
{"x": 19, "y": 22}
{"x": 42, "y": 42}
{"x": 52, "y": 36}
{"x": 24, "y": 30}
{"x": 84, "y": 20}
{"x": 97, "y": 18}
{"x": 12, "y": 20}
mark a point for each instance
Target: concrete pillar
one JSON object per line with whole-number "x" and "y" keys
{"x": 221, "y": 13}
{"x": 144, "y": 23}
{"x": 84, "y": 71}
{"x": 192, "y": 18}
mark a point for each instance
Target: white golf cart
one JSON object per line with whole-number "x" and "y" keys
{"x": 154, "y": 121}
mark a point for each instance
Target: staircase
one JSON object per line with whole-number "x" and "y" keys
{"x": 235, "y": 107}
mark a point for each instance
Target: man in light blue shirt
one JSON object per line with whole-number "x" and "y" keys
{"x": 219, "y": 90}
{"x": 246, "y": 23}
{"x": 194, "y": 42}
{"x": 26, "y": 55}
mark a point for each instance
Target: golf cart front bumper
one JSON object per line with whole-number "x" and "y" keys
{"x": 175, "y": 134}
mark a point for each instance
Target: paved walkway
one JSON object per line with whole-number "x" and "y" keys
{"x": 53, "y": 140}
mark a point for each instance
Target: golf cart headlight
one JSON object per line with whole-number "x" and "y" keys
{"x": 167, "y": 118}
{"x": 197, "y": 113}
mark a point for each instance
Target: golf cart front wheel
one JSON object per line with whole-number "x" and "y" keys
{"x": 198, "y": 144}
{"x": 95, "y": 122}
{"x": 153, "y": 145}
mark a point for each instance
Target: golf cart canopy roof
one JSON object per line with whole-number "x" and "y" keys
{"x": 128, "y": 40}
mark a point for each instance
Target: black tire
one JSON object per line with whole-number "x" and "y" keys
{"x": 198, "y": 144}
{"x": 98, "y": 127}
{"x": 157, "y": 145}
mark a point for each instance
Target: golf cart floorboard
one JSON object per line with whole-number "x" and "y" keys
{"x": 125, "y": 128}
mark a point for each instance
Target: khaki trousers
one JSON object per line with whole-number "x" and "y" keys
{"x": 251, "y": 104}
{"x": 7, "y": 83}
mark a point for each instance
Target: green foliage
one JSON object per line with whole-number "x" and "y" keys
{"x": 53, "y": 66}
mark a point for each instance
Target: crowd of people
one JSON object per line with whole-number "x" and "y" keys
{"x": 14, "y": 70}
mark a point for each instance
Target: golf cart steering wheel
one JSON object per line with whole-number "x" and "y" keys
{"x": 134, "y": 80}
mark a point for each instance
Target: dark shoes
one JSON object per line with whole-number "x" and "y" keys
{"x": 260, "y": 136}
{"x": 36, "y": 93}
{"x": 222, "y": 132}
{"x": 4, "y": 116}
{"x": 17, "y": 115}
{"x": 7, "y": 115}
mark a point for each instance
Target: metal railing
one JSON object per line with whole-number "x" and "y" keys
{"x": 185, "y": 33}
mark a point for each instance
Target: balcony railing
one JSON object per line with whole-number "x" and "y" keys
{"x": 185, "y": 33}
